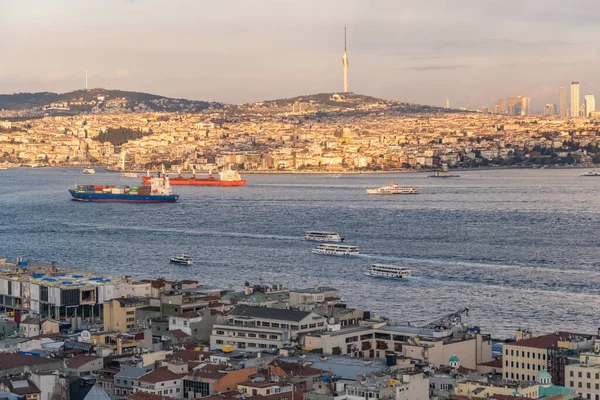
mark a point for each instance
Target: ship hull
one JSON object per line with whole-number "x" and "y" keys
{"x": 199, "y": 182}
{"x": 123, "y": 198}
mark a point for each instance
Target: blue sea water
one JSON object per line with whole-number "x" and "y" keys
{"x": 519, "y": 248}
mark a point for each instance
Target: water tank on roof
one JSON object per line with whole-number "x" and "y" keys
{"x": 227, "y": 349}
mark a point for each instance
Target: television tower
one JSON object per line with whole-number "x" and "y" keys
{"x": 86, "y": 85}
{"x": 345, "y": 64}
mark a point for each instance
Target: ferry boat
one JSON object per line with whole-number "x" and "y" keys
{"x": 90, "y": 171}
{"x": 159, "y": 191}
{"x": 227, "y": 177}
{"x": 129, "y": 174}
{"x": 318, "y": 236}
{"x": 443, "y": 173}
{"x": 182, "y": 259}
{"x": 393, "y": 188}
{"x": 389, "y": 271}
{"x": 591, "y": 173}
{"x": 336, "y": 250}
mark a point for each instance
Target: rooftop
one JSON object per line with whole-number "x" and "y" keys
{"x": 161, "y": 374}
{"x": 269, "y": 313}
{"x": 546, "y": 341}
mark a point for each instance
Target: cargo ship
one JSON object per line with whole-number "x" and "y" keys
{"x": 227, "y": 177}
{"x": 159, "y": 191}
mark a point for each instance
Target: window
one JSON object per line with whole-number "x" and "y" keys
{"x": 506, "y": 363}
{"x": 522, "y": 354}
{"x": 589, "y": 375}
{"x": 303, "y": 326}
{"x": 512, "y": 375}
{"x": 266, "y": 324}
{"x": 579, "y": 374}
{"x": 544, "y": 357}
{"x": 597, "y": 386}
{"x": 274, "y": 325}
{"x": 273, "y": 337}
{"x": 512, "y": 363}
{"x": 312, "y": 326}
{"x": 571, "y": 384}
{"x": 512, "y": 353}
{"x": 294, "y": 327}
{"x": 220, "y": 332}
{"x": 252, "y": 335}
{"x": 528, "y": 355}
{"x": 320, "y": 324}
{"x": 589, "y": 385}
{"x": 597, "y": 376}
{"x": 506, "y": 352}
{"x": 184, "y": 323}
{"x": 173, "y": 321}
{"x": 262, "y": 336}
{"x": 528, "y": 367}
{"x": 578, "y": 384}
{"x": 242, "y": 334}
{"x": 118, "y": 381}
{"x": 219, "y": 342}
{"x": 130, "y": 312}
{"x": 262, "y": 346}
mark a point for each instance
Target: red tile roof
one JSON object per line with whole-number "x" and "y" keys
{"x": 161, "y": 374}
{"x": 178, "y": 333}
{"x": 209, "y": 371}
{"x": 546, "y": 341}
{"x": 80, "y": 360}
{"x": 147, "y": 396}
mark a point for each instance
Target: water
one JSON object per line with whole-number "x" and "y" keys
{"x": 519, "y": 248}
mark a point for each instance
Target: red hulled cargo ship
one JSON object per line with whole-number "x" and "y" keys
{"x": 226, "y": 178}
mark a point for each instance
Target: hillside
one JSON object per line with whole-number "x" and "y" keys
{"x": 95, "y": 101}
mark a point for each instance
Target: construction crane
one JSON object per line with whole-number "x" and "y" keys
{"x": 447, "y": 321}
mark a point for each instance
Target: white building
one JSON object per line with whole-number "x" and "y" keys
{"x": 161, "y": 381}
{"x": 590, "y": 104}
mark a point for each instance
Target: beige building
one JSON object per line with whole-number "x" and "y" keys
{"x": 379, "y": 340}
{"x": 584, "y": 377}
{"x": 119, "y": 314}
{"x": 524, "y": 359}
{"x": 257, "y": 328}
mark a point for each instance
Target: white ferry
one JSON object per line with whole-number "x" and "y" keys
{"x": 336, "y": 250}
{"x": 389, "y": 271}
{"x": 591, "y": 173}
{"x": 90, "y": 171}
{"x": 129, "y": 174}
{"x": 182, "y": 259}
{"x": 319, "y": 236}
{"x": 392, "y": 188}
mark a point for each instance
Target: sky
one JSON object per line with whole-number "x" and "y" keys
{"x": 239, "y": 51}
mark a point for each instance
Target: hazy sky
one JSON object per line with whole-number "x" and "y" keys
{"x": 471, "y": 51}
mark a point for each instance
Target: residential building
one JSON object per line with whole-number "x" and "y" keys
{"x": 124, "y": 381}
{"x": 214, "y": 378}
{"x": 575, "y": 101}
{"x": 21, "y": 385}
{"x": 30, "y": 326}
{"x": 160, "y": 381}
{"x": 83, "y": 365}
{"x": 550, "y": 109}
{"x": 584, "y": 376}
{"x": 590, "y": 104}
{"x": 119, "y": 314}
{"x": 259, "y": 328}
{"x": 524, "y": 359}
{"x": 562, "y": 102}
{"x": 264, "y": 388}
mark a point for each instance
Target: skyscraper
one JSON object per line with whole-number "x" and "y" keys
{"x": 574, "y": 99}
{"x": 550, "y": 109}
{"x": 525, "y": 105}
{"x": 447, "y": 103}
{"x": 562, "y": 105}
{"x": 345, "y": 64}
{"x": 590, "y": 104}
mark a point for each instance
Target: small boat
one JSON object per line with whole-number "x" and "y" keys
{"x": 392, "y": 188}
{"x": 591, "y": 173}
{"x": 90, "y": 171}
{"x": 129, "y": 174}
{"x": 336, "y": 250}
{"x": 318, "y": 236}
{"x": 389, "y": 271}
{"x": 443, "y": 173}
{"x": 3, "y": 167}
{"x": 184, "y": 259}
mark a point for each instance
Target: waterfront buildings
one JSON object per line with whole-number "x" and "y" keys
{"x": 575, "y": 100}
{"x": 524, "y": 359}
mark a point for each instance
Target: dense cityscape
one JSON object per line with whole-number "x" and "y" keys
{"x": 327, "y": 132}
{"x": 199, "y": 328}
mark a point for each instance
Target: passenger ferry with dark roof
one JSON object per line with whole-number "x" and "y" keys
{"x": 389, "y": 271}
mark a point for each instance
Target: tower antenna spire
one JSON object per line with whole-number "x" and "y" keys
{"x": 344, "y": 38}
{"x": 86, "y": 81}
{"x": 345, "y": 64}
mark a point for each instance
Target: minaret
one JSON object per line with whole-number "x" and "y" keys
{"x": 345, "y": 64}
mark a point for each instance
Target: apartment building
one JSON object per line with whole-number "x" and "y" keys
{"x": 119, "y": 314}
{"x": 524, "y": 359}
{"x": 584, "y": 376}
{"x": 258, "y": 328}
